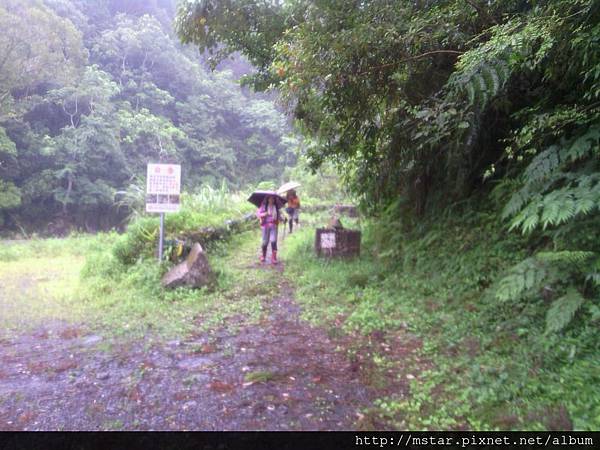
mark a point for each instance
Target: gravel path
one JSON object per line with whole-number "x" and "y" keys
{"x": 280, "y": 375}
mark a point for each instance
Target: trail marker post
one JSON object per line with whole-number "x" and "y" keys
{"x": 163, "y": 186}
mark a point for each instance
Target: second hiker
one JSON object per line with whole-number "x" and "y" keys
{"x": 293, "y": 207}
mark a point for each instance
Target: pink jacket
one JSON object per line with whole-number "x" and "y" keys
{"x": 268, "y": 220}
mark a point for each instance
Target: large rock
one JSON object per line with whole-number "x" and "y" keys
{"x": 194, "y": 272}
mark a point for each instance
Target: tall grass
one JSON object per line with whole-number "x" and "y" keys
{"x": 203, "y": 208}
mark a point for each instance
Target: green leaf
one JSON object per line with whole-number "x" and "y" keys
{"x": 563, "y": 310}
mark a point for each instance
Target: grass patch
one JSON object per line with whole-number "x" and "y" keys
{"x": 75, "y": 245}
{"x": 130, "y": 301}
{"x": 490, "y": 365}
{"x": 39, "y": 280}
{"x": 50, "y": 280}
{"x": 329, "y": 288}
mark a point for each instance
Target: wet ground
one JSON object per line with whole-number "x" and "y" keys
{"x": 280, "y": 375}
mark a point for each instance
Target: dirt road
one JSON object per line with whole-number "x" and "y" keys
{"x": 280, "y": 375}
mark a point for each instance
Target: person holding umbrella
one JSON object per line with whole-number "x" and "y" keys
{"x": 269, "y": 216}
{"x": 293, "y": 206}
{"x": 293, "y": 201}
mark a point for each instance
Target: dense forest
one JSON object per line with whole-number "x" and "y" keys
{"x": 90, "y": 92}
{"x": 466, "y": 132}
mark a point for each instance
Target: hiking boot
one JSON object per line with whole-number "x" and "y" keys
{"x": 263, "y": 255}
{"x": 274, "y": 257}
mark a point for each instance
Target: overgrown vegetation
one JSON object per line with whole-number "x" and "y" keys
{"x": 89, "y": 288}
{"x": 206, "y": 209}
{"x": 90, "y": 92}
{"x": 500, "y": 364}
{"x": 129, "y": 300}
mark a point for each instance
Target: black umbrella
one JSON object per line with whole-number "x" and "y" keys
{"x": 257, "y": 197}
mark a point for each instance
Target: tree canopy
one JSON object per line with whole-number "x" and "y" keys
{"x": 415, "y": 98}
{"x": 90, "y": 92}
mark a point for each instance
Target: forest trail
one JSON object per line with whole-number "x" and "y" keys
{"x": 279, "y": 374}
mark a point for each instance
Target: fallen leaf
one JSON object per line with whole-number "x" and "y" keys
{"x": 220, "y": 386}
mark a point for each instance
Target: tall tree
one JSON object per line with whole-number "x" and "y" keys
{"x": 36, "y": 45}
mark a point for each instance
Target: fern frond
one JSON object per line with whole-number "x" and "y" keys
{"x": 528, "y": 218}
{"x": 543, "y": 165}
{"x": 562, "y": 203}
{"x": 566, "y": 256}
{"x": 556, "y": 207}
{"x": 503, "y": 73}
{"x": 480, "y": 89}
{"x": 534, "y": 206}
{"x": 594, "y": 274}
{"x": 492, "y": 79}
{"x": 583, "y": 145}
{"x": 586, "y": 204}
{"x": 594, "y": 278}
{"x": 516, "y": 203}
{"x": 470, "y": 93}
{"x": 550, "y": 213}
{"x": 563, "y": 310}
{"x": 523, "y": 277}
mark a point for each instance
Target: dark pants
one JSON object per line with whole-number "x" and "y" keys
{"x": 293, "y": 216}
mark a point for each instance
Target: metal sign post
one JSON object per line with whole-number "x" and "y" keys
{"x": 163, "y": 185}
{"x": 161, "y": 236}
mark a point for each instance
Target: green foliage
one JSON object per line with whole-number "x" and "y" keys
{"x": 483, "y": 71}
{"x": 320, "y": 187}
{"x": 224, "y": 26}
{"x": 417, "y": 100}
{"x": 7, "y": 147}
{"x": 10, "y": 196}
{"x": 560, "y": 190}
{"x": 36, "y": 46}
{"x": 206, "y": 208}
{"x": 129, "y": 300}
{"x": 90, "y": 93}
{"x": 506, "y": 342}
{"x": 552, "y": 192}
{"x": 137, "y": 242}
{"x": 525, "y": 278}
{"x": 545, "y": 275}
{"x": 562, "y": 310}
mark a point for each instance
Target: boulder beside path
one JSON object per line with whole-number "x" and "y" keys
{"x": 194, "y": 272}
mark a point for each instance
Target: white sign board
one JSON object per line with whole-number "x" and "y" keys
{"x": 163, "y": 185}
{"x": 327, "y": 240}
